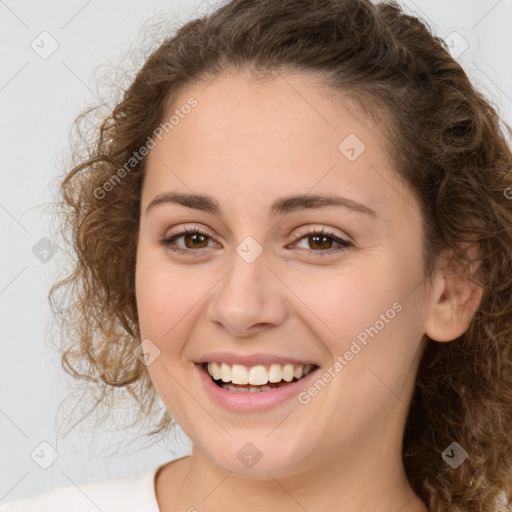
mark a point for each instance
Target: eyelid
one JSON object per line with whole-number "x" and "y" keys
{"x": 181, "y": 228}
{"x": 304, "y": 230}
{"x": 307, "y": 231}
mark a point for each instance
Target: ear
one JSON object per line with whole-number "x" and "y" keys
{"x": 454, "y": 300}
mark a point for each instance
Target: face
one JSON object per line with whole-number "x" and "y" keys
{"x": 270, "y": 287}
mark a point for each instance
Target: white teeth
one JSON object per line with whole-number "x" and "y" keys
{"x": 257, "y": 375}
{"x": 288, "y": 372}
{"x": 249, "y": 389}
{"x": 225, "y": 372}
{"x": 239, "y": 374}
{"x": 214, "y": 371}
{"x": 275, "y": 373}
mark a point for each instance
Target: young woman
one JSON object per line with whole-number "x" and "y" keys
{"x": 295, "y": 231}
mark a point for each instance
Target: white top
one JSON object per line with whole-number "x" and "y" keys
{"x": 127, "y": 494}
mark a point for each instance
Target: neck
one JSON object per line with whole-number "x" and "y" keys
{"x": 369, "y": 478}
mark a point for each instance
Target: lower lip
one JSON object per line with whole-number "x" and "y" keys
{"x": 253, "y": 402}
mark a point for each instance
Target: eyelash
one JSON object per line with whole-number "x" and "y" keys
{"x": 344, "y": 244}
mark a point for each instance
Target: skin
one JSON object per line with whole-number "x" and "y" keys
{"x": 246, "y": 144}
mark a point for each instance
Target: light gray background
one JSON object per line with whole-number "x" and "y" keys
{"x": 39, "y": 100}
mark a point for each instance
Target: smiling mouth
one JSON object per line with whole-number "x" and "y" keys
{"x": 254, "y": 379}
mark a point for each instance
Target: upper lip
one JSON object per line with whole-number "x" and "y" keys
{"x": 252, "y": 360}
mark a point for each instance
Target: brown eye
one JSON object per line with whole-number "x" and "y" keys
{"x": 320, "y": 243}
{"x": 192, "y": 238}
{"x": 195, "y": 239}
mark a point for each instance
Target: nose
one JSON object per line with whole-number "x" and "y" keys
{"x": 249, "y": 299}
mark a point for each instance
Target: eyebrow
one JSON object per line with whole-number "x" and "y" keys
{"x": 281, "y": 206}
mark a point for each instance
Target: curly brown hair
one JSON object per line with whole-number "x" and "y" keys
{"x": 445, "y": 141}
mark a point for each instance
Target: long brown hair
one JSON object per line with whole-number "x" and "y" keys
{"x": 447, "y": 144}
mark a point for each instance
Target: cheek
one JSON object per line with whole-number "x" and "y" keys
{"x": 379, "y": 356}
{"x": 165, "y": 300}
{"x": 347, "y": 300}
{"x": 158, "y": 283}
{"x": 371, "y": 315}
{"x": 166, "y": 314}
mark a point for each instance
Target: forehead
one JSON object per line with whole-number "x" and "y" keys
{"x": 253, "y": 139}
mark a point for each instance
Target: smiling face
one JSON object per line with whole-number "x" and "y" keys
{"x": 259, "y": 285}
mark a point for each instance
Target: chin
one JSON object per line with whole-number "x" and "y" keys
{"x": 259, "y": 458}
